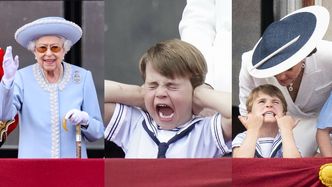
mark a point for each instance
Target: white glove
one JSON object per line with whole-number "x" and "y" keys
{"x": 77, "y": 117}
{"x": 9, "y": 66}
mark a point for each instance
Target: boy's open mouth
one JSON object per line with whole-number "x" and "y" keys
{"x": 269, "y": 113}
{"x": 164, "y": 111}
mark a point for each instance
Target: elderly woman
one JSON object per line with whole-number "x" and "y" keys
{"x": 49, "y": 92}
{"x": 292, "y": 56}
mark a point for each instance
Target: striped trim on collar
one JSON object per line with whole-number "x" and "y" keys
{"x": 276, "y": 147}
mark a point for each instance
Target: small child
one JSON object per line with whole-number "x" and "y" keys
{"x": 164, "y": 126}
{"x": 269, "y": 130}
{"x": 324, "y": 128}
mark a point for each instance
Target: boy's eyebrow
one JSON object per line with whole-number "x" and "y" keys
{"x": 276, "y": 99}
{"x": 263, "y": 99}
{"x": 260, "y": 99}
{"x": 150, "y": 82}
{"x": 172, "y": 84}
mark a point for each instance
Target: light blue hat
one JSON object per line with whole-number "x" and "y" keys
{"x": 48, "y": 26}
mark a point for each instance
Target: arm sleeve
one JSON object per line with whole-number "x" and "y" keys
{"x": 116, "y": 122}
{"x": 198, "y": 23}
{"x": 11, "y": 98}
{"x": 95, "y": 129}
{"x": 122, "y": 125}
{"x": 246, "y": 83}
{"x": 238, "y": 140}
{"x": 224, "y": 147}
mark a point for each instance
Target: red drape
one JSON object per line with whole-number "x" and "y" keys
{"x": 52, "y": 172}
{"x": 2, "y": 53}
{"x": 162, "y": 172}
{"x": 168, "y": 172}
{"x": 277, "y": 172}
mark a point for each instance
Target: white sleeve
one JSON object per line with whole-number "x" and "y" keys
{"x": 198, "y": 24}
{"x": 206, "y": 24}
{"x": 10, "y": 97}
{"x": 122, "y": 125}
{"x": 246, "y": 83}
{"x": 116, "y": 122}
{"x": 237, "y": 141}
{"x": 224, "y": 147}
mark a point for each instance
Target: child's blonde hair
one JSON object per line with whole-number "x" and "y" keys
{"x": 268, "y": 89}
{"x": 175, "y": 58}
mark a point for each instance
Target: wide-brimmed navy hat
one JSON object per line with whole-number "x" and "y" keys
{"x": 48, "y": 26}
{"x": 287, "y": 42}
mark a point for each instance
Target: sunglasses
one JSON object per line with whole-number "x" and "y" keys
{"x": 43, "y": 49}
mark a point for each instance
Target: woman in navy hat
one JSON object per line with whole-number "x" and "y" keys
{"x": 292, "y": 56}
{"x": 49, "y": 92}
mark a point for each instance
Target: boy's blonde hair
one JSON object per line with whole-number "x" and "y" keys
{"x": 268, "y": 89}
{"x": 175, "y": 58}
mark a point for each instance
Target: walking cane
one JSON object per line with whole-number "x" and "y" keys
{"x": 78, "y": 137}
{"x": 78, "y": 141}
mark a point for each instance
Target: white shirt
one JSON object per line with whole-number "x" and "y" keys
{"x": 267, "y": 147}
{"x": 126, "y": 130}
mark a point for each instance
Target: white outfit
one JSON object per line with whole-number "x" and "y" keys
{"x": 207, "y": 24}
{"x": 265, "y": 147}
{"x": 126, "y": 130}
{"x": 313, "y": 92}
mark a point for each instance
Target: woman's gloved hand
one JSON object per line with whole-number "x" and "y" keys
{"x": 77, "y": 117}
{"x": 10, "y": 66}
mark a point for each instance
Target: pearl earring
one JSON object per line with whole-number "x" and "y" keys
{"x": 303, "y": 65}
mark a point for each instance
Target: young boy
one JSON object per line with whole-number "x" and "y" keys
{"x": 164, "y": 126}
{"x": 269, "y": 130}
{"x": 324, "y": 128}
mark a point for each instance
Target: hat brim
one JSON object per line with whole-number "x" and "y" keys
{"x": 48, "y": 27}
{"x": 322, "y": 21}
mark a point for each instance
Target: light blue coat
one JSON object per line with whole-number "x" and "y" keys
{"x": 42, "y": 106}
